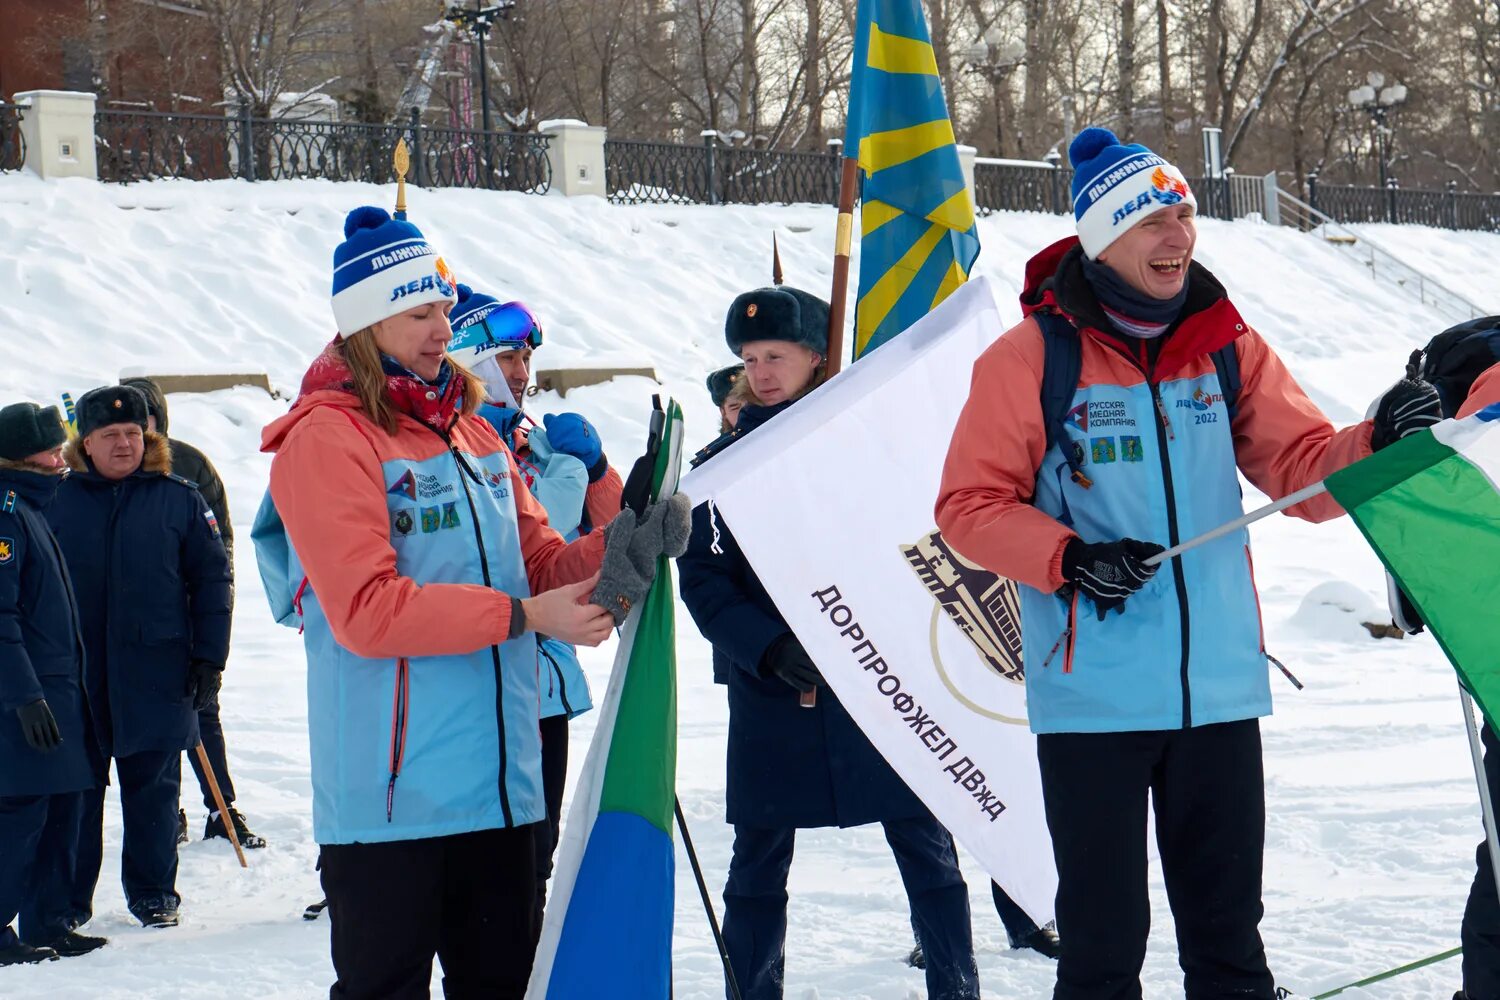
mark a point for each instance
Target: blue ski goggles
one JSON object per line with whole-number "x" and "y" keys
{"x": 511, "y": 326}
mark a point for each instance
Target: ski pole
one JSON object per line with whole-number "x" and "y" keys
{"x": 1486, "y": 805}
{"x": 1291, "y": 500}
{"x": 224, "y": 817}
{"x": 1393, "y": 973}
{"x": 708, "y": 906}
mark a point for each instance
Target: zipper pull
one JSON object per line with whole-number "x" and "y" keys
{"x": 1161, "y": 410}
{"x": 1056, "y": 646}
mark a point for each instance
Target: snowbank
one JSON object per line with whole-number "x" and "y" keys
{"x": 1373, "y": 808}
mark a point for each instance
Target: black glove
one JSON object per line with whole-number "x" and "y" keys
{"x": 39, "y": 727}
{"x": 203, "y": 683}
{"x": 1109, "y": 572}
{"x": 1410, "y": 405}
{"x": 788, "y": 660}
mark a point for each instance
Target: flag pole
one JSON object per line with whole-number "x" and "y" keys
{"x": 843, "y": 243}
{"x": 1487, "y": 806}
{"x": 708, "y": 905}
{"x": 1291, "y": 500}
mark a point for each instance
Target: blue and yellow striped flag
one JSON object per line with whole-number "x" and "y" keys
{"x": 917, "y": 234}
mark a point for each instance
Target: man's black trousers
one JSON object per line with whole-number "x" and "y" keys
{"x": 468, "y": 899}
{"x": 1208, "y": 789}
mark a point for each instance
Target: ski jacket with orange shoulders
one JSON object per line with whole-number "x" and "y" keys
{"x": 1159, "y": 457}
{"x": 1484, "y": 392}
{"x": 411, "y": 550}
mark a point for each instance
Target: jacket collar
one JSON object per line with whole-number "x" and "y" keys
{"x": 35, "y": 487}
{"x": 155, "y": 461}
{"x": 436, "y": 406}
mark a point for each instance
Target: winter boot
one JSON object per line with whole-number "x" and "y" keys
{"x": 917, "y": 960}
{"x": 182, "y": 828}
{"x": 24, "y": 954}
{"x": 155, "y": 912}
{"x": 215, "y": 828}
{"x": 73, "y": 944}
{"x": 1043, "y": 941}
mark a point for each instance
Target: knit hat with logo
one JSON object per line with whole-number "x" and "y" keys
{"x": 384, "y": 267}
{"x": 1116, "y": 185}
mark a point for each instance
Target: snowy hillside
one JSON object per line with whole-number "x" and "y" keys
{"x": 1373, "y": 814}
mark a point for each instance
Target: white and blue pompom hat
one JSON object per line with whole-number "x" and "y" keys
{"x": 1116, "y": 185}
{"x": 385, "y": 266}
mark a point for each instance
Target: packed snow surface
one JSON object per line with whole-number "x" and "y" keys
{"x": 1373, "y": 813}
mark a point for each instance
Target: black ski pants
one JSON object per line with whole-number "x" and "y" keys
{"x": 554, "y": 783}
{"x": 1481, "y": 927}
{"x": 1208, "y": 788}
{"x": 467, "y": 898}
{"x": 38, "y": 852}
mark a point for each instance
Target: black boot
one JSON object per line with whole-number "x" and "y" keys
{"x": 73, "y": 944}
{"x": 916, "y": 959}
{"x": 157, "y": 912}
{"x": 1043, "y": 941}
{"x": 182, "y": 830}
{"x": 215, "y": 828}
{"x": 24, "y": 954}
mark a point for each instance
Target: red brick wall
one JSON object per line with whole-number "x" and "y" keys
{"x": 45, "y": 46}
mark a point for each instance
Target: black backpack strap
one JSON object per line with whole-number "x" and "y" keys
{"x": 1227, "y": 364}
{"x": 1063, "y": 350}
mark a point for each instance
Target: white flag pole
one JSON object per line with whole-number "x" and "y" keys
{"x": 1476, "y": 751}
{"x": 1291, "y": 500}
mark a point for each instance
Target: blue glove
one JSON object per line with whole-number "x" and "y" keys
{"x": 572, "y": 435}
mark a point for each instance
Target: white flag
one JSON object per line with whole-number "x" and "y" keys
{"x": 832, "y": 503}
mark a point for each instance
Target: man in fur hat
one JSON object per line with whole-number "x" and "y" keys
{"x": 48, "y": 759}
{"x": 153, "y": 587}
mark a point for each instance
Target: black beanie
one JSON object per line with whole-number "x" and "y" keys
{"x": 110, "y": 404}
{"x": 26, "y": 429}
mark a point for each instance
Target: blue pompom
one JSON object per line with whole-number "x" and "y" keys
{"x": 365, "y": 217}
{"x": 464, "y": 291}
{"x": 1090, "y": 143}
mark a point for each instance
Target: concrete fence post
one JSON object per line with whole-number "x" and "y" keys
{"x": 59, "y": 129}
{"x": 576, "y": 153}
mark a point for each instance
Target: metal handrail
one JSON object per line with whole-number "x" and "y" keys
{"x": 1384, "y": 265}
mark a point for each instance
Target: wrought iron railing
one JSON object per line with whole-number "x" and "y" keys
{"x": 1019, "y": 186}
{"x": 762, "y": 176}
{"x": 667, "y": 173}
{"x": 659, "y": 173}
{"x": 137, "y": 145}
{"x": 1446, "y": 209}
{"x": 12, "y": 142}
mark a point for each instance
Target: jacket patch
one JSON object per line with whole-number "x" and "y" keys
{"x": 213, "y": 523}
{"x": 403, "y": 520}
{"x": 1103, "y": 450}
{"x": 1131, "y": 449}
{"x": 7, "y": 550}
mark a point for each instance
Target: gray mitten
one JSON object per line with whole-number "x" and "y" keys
{"x": 632, "y": 547}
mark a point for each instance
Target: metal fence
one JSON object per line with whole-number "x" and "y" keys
{"x": 666, "y": 173}
{"x": 141, "y": 145}
{"x": 1023, "y": 186}
{"x": 1445, "y": 209}
{"x": 12, "y": 142}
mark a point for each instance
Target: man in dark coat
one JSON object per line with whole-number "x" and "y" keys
{"x": 190, "y": 463}
{"x": 790, "y": 767}
{"x": 47, "y": 753}
{"x": 153, "y": 588}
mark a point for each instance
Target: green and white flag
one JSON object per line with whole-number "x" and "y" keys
{"x": 1430, "y": 506}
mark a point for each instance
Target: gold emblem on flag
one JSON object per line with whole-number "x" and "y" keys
{"x": 984, "y": 606}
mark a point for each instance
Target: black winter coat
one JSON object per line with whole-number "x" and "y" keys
{"x": 788, "y": 766}
{"x": 41, "y": 652}
{"x": 153, "y": 587}
{"x": 190, "y": 463}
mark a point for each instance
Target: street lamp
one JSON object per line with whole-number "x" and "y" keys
{"x": 995, "y": 59}
{"x": 1378, "y": 101}
{"x": 480, "y": 19}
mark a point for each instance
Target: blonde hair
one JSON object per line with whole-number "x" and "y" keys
{"x": 360, "y": 352}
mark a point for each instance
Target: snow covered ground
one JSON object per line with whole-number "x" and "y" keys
{"x": 1372, "y": 805}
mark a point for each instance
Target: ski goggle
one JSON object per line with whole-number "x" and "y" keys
{"x": 512, "y": 326}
